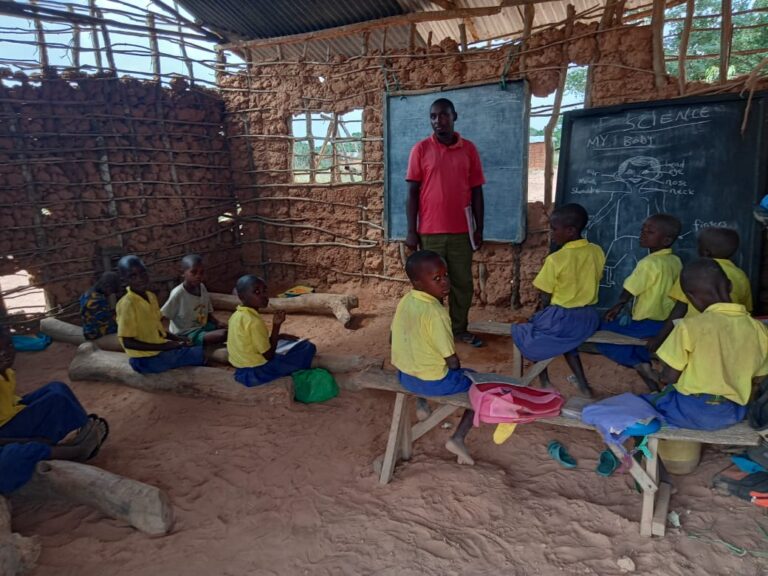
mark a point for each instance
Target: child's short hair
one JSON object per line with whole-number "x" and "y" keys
{"x": 246, "y": 284}
{"x": 671, "y": 225}
{"x": 701, "y": 272}
{"x": 190, "y": 261}
{"x": 571, "y": 215}
{"x": 719, "y": 242}
{"x": 417, "y": 260}
{"x": 126, "y": 263}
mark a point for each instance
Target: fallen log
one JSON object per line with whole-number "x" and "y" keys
{"x": 62, "y": 331}
{"x": 18, "y": 555}
{"x": 337, "y": 304}
{"x": 146, "y": 508}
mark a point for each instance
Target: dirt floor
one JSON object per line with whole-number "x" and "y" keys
{"x": 291, "y": 491}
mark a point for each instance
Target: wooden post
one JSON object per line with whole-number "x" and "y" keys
{"x": 649, "y": 497}
{"x": 683, "y": 50}
{"x": 41, "y": 47}
{"x": 107, "y": 43}
{"x": 221, "y": 65}
{"x": 364, "y": 44}
{"x": 657, "y": 30}
{"x": 528, "y": 15}
{"x": 726, "y": 34}
{"x": 154, "y": 47}
{"x": 412, "y": 38}
{"x": 183, "y": 49}
{"x": 384, "y": 41}
{"x": 311, "y": 143}
{"x": 605, "y": 22}
{"x": 75, "y": 52}
{"x": 463, "y": 36}
{"x": 429, "y": 39}
{"x": 95, "y": 37}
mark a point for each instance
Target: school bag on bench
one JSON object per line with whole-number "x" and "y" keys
{"x": 500, "y": 403}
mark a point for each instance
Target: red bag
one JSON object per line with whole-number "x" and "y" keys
{"x": 499, "y": 403}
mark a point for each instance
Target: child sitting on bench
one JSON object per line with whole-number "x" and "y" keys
{"x": 720, "y": 244}
{"x": 254, "y": 351}
{"x": 569, "y": 281}
{"x": 189, "y": 306}
{"x": 96, "y": 313}
{"x": 710, "y": 359}
{"x": 31, "y": 427}
{"x": 649, "y": 284}
{"x": 145, "y": 341}
{"x": 422, "y": 342}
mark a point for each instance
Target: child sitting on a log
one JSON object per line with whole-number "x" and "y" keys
{"x": 711, "y": 359}
{"x": 150, "y": 348}
{"x": 649, "y": 284}
{"x": 31, "y": 427}
{"x": 423, "y": 345}
{"x": 96, "y": 312}
{"x": 253, "y": 350}
{"x": 569, "y": 282}
{"x": 189, "y": 307}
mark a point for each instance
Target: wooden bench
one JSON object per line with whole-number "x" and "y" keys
{"x": 505, "y": 329}
{"x": 403, "y": 433}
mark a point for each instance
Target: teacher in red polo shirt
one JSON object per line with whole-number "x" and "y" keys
{"x": 445, "y": 179}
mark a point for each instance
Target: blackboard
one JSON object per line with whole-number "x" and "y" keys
{"x": 685, "y": 157}
{"x": 495, "y": 120}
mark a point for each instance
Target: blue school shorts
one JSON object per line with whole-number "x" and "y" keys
{"x": 18, "y": 463}
{"x": 169, "y": 359}
{"x": 297, "y": 358}
{"x": 696, "y": 411}
{"x": 554, "y": 331}
{"x": 455, "y": 382}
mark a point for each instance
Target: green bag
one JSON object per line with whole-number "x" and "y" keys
{"x": 314, "y": 385}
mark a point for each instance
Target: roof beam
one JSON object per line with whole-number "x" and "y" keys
{"x": 359, "y": 27}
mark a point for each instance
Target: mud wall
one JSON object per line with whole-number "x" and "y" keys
{"x": 92, "y": 168}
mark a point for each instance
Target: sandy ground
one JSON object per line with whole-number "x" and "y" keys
{"x": 291, "y": 491}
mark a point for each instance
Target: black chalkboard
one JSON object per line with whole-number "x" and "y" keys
{"x": 495, "y": 119}
{"x": 685, "y": 157}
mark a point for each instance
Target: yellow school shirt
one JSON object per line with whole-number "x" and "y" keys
{"x": 572, "y": 274}
{"x": 140, "y": 319}
{"x": 718, "y": 352}
{"x": 741, "y": 291}
{"x": 247, "y": 338}
{"x": 421, "y": 336}
{"x": 650, "y": 283}
{"x": 9, "y": 402}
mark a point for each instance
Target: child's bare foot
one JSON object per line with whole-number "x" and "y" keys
{"x": 423, "y": 411}
{"x": 457, "y": 447}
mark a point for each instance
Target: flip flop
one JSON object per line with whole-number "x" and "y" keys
{"x": 560, "y": 454}
{"x": 99, "y": 420}
{"x": 607, "y": 464}
{"x": 471, "y": 339}
{"x": 744, "y": 463}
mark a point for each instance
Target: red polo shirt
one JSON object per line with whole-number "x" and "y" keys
{"x": 447, "y": 175}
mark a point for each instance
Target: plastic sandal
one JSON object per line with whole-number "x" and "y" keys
{"x": 560, "y": 454}
{"x": 607, "y": 464}
{"x": 470, "y": 339}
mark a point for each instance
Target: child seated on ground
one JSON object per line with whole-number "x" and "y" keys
{"x": 253, "y": 350}
{"x": 649, "y": 284}
{"x": 31, "y": 427}
{"x": 569, "y": 281}
{"x": 189, "y": 307}
{"x": 96, "y": 312}
{"x": 710, "y": 359}
{"x": 720, "y": 244}
{"x": 422, "y": 342}
{"x": 145, "y": 341}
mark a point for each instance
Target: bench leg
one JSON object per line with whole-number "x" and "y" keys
{"x": 406, "y": 433}
{"x": 434, "y": 419}
{"x": 535, "y": 370}
{"x": 649, "y": 497}
{"x": 659, "y": 525}
{"x": 517, "y": 361}
{"x": 393, "y": 441}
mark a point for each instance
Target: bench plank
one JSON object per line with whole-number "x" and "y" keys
{"x": 599, "y": 337}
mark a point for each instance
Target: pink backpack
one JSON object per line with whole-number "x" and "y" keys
{"x": 499, "y": 403}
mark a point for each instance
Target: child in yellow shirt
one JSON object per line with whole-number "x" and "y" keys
{"x": 423, "y": 345}
{"x": 252, "y": 349}
{"x": 150, "y": 348}
{"x": 649, "y": 285}
{"x": 710, "y": 359}
{"x": 569, "y": 282}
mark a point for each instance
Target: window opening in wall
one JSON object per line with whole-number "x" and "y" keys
{"x": 328, "y": 147}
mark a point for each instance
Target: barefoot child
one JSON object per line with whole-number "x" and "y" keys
{"x": 145, "y": 341}
{"x": 189, "y": 306}
{"x": 96, "y": 312}
{"x": 569, "y": 281}
{"x": 32, "y": 426}
{"x": 423, "y": 345}
{"x": 711, "y": 359}
{"x": 649, "y": 285}
{"x": 252, "y": 349}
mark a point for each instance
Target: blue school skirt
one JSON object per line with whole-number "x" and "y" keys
{"x": 168, "y": 360}
{"x": 555, "y": 331}
{"x": 630, "y": 356}
{"x": 50, "y": 412}
{"x": 455, "y": 382}
{"x": 18, "y": 463}
{"x": 696, "y": 411}
{"x": 297, "y": 358}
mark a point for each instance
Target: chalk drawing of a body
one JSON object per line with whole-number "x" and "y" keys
{"x": 639, "y": 196}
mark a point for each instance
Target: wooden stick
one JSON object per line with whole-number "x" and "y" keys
{"x": 528, "y": 17}
{"x": 107, "y": 43}
{"x": 75, "y": 52}
{"x": 463, "y": 37}
{"x": 384, "y": 41}
{"x": 183, "y": 49}
{"x": 412, "y": 37}
{"x": 41, "y": 45}
{"x": 357, "y": 28}
{"x": 339, "y": 305}
{"x": 95, "y": 36}
{"x": 429, "y": 39}
{"x": 682, "y": 54}
{"x": 657, "y": 30}
{"x": 154, "y": 47}
{"x": 726, "y": 34}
